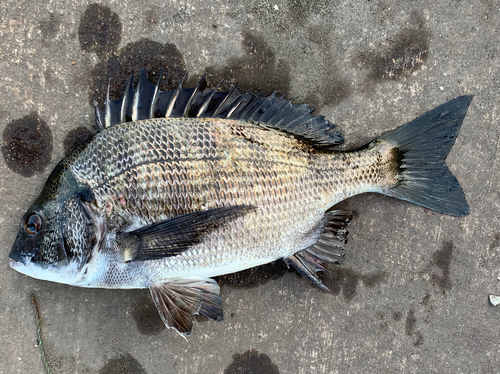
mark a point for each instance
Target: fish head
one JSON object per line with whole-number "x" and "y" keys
{"x": 55, "y": 237}
{"x": 38, "y": 250}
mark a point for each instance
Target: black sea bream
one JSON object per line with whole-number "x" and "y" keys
{"x": 181, "y": 186}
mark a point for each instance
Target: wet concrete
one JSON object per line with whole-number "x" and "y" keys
{"x": 412, "y": 294}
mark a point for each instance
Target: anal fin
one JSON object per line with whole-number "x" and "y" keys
{"x": 330, "y": 247}
{"x": 178, "y": 300}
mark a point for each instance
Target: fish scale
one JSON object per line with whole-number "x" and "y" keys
{"x": 168, "y": 203}
{"x": 292, "y": 190}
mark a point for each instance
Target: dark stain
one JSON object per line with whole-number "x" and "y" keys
{"x": 300, "y": 10}
{"x": 146, "y": 317}
{"x": 495, "y": 242}
{"x": 420, "y": 339}
{"x": 27, "y": 145}
{"x": 100, "y": 30}
{"x": 145, "y": 54}
{"x": 76, "y": 138}
{"x": 426, "y": 299}
{"x": 50, "y": 26}
{"x": 346, "y": 280}
{"x": 257, "y": 71}
{"x": 251, "y": 362}
{"x": 332, "y": 88}
{"x": 442, "y": 259}
{"x": 399, "y": 56}
{"x": 396, "y": 316}
{"x": 254, "y": 276}
{"x": 411, "y": 321}
{"x": 123, "y": 364}
{"x": 384, "y": 326}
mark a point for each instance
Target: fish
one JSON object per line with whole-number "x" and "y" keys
{"x": 178, "y": 187}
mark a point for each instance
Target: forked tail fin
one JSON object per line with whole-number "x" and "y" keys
{"x": 421, "y": 147}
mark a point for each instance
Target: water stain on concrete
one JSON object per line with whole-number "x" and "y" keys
{"x": 420, "y": 339}
{"x": 300, "y": 10}
{"x": 258, "y": 71}
{"x": 398, "y": 56}
{"x": 27, "y": 145}
{"x": 384, "y": 326}
{"x": 251, "y": 362}
{"x": 145, "y": 54}
{"x": 76, "y": 138}
{"x": 426, "y": 299}
{"x": 442, "y": 260}
{"x": 332, "y": 88}
{"x": 347, "y": 280}
{"x": 255, "y": 276}
{"x": 100, "y": 30}
{"x": 396, "y": 316}
{"x": 50, "y": 26}
{"x": 410, "y": 325}
{"x": 146, "y": 317}
{"x": 123, "y": 364}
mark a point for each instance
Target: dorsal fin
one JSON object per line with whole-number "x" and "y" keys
{"x": 273, "y": 112}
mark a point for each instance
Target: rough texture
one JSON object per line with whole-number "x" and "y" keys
{"x": 405, "y": 266}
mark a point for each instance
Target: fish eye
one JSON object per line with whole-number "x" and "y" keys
{"x": 33, "y": 224}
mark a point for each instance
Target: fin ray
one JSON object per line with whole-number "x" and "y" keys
{"x": 330, "y": 247}
{"x": 179, "y": 300}
{"x": 174, "y": 236}
{"x": 277, "y": 113}
{"x": 420, "y": 148}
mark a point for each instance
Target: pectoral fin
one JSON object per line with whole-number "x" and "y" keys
{"x": 174, "y": 236}
{"x": 179, "y": 300}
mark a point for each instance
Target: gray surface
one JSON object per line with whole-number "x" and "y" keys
{"x": 412, "y": 295}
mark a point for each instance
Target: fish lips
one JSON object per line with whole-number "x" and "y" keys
{"x": 24, "y": 249}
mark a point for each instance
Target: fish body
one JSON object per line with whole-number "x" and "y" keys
{"x": 235, "y": 182}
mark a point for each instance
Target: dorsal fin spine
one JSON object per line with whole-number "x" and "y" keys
{"x": 175, "y": 95}
{"x": 283, "y": 104}
{"x": 273, "y": 112}
{"x": 126, "y": 98}
{"x": 136, "y": 98}
{"x": 154, "y": 101}
{"x": 107, "y": 109}
{"x": 207, "y": 100}
{"x": 235, "y": 105}
{"x": 195, "y": 91}
{"x": 223, "y": 101}
{"x": 99, "y": 121}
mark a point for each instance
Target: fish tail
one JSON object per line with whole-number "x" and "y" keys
{"x": 420, "y": 149}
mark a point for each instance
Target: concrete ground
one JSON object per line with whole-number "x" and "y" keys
{"x": 412, "y": 295}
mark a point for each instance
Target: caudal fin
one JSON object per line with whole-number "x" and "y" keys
{"x": 421, "y": 147}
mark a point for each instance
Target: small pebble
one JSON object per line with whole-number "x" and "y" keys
{"x": 495, "y": 300}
